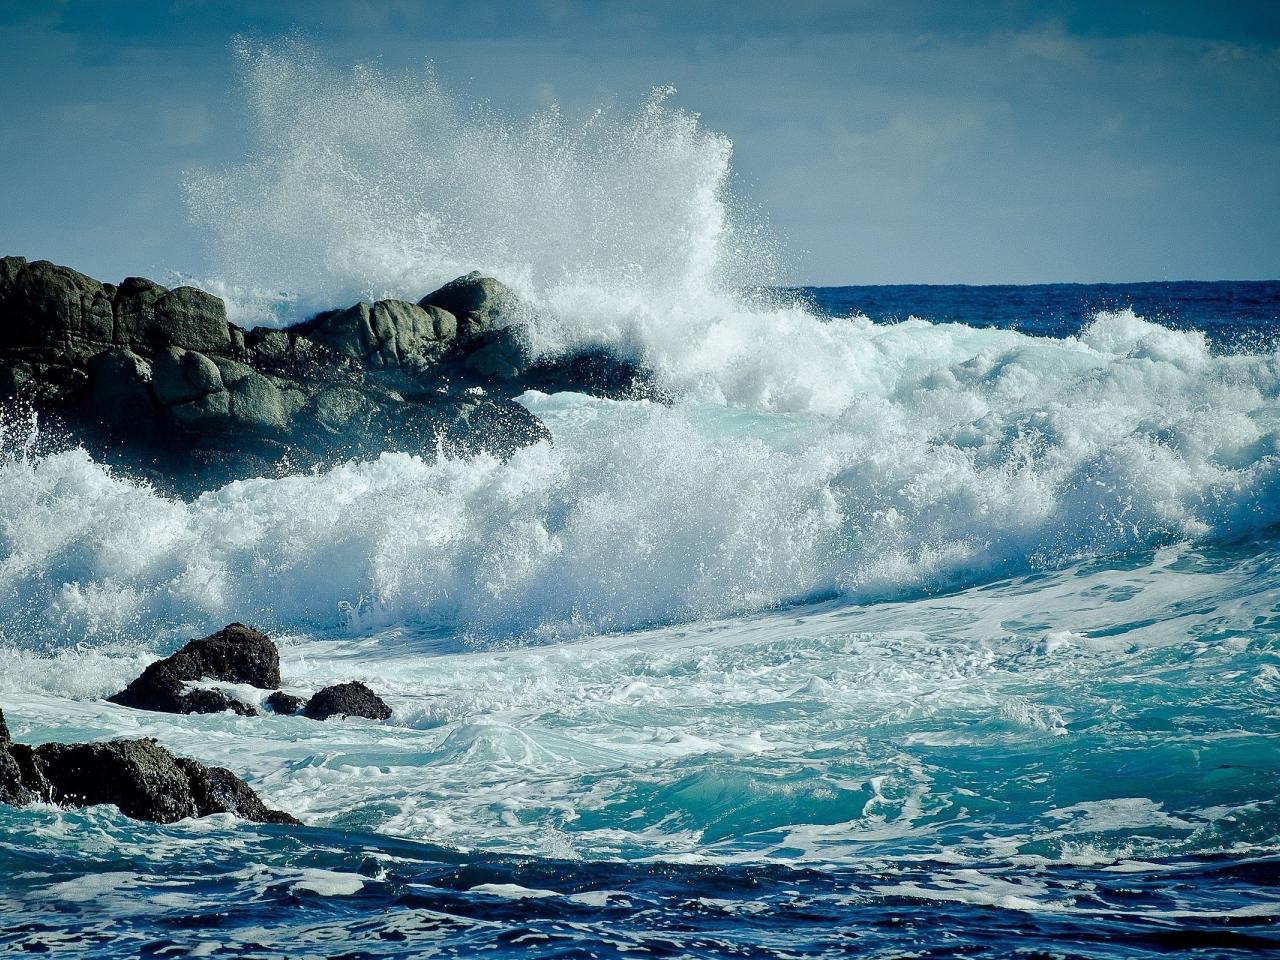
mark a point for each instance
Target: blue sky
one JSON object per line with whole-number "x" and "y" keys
{"x": 886, "y": 142}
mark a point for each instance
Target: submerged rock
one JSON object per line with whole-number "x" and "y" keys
{"x": 159, "y": 383}
{"x": 352, "y": 699}
{"x": 235, "y": 654}
{"x": 140, "y": 777}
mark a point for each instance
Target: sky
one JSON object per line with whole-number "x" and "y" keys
{"x": 886, "y": 142}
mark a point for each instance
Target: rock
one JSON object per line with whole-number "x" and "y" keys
{"x": 48, "y": 305}
{"x": 352, "y": 699}
{"x": 156, "y": 382}
{"x": 480, "y": 304}
{"x": 139, "y": 777}
{"x": 218, "y": 790}
{"x": 181, "y": 376}
{"x": 235, "y": 654}
{"x": 10, "y": 267}
{"x": 388, "y": 333}
{"x": 191, "y": 318}
{"x": 120, "y": 387}
{"x": 284, "y": 703}
{"x": 498, "y": 355}
{"x": 134, "y": 303}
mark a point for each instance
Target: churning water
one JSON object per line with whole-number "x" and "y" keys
{"x": 925, "y": 621}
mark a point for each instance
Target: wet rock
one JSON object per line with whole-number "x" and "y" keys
{"x": 352, "y": 699}
{"x": 284, "y": 703}
{"x": 120, "y": 387}
{"x": 235, "y": 654}
{"x": 479, "y": 303}
{"x": 184, "y": 375}
{"x": 218, "y": 790}
{"x": 158, "y": 384}
{"x": 139, "y": 777}
{"x": 13, "y": 790}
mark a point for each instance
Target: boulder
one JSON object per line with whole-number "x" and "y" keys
{"x": 181, "y": 376}
{"x": 497, "y": 355}
{"x": 10, "y": 267}
{"x": 52, "y": 306}
{"x": 235, "y": 654}
{"x": 139, "y": 777}
{"x": 351, "y": 699}
{"x": 284, "y": 703}
{"x": 479, "y": 303}
{"x": 388, "y": 333}
{"x": 13, "y": 790}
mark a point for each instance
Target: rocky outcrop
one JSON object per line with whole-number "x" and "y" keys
{"x": 140, "y": 777}
{"x": 346, "y": 699}
{"x": 157, "y": 382}
{"x": 235, "y": 654}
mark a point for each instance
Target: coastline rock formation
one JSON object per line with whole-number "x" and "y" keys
{"x": 140, "y": 777}
{"x": 159, "y": 383}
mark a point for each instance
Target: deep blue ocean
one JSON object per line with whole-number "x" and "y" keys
{"x": 948, "y": 625}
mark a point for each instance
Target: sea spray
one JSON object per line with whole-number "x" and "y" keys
{"x": 363, "y": 183}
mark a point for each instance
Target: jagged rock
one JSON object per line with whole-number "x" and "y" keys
{"x": 480, "y": 303}
{"x": 140, "y": 777}
{"x": 13, "y": 790}
{"x": 157, "y": 383}
{"x": 284, "y": 703}
{"x": 352, "y": 699}
{"x": 218, "y": 790}
{"x": 235, "y": 654}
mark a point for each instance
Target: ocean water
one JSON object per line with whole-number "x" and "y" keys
{"x": 925, "y": 621}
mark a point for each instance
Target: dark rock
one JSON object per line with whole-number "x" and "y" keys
{"x": 12, "y": 789}
{"x": 10, "y": 267}
{"x": 218, "y": 790}
{"x": 497, "y": 355}
{"x": 120, "y": 387}
{"x": 48, "y": 306}
{"x": 388, "y": 333}
{"x": 352, "y": 699}
{"x": 235, "y": 654}
{"x": 157, "y": 383}
{"x": 185, "y": 375}
{"x": 480, "y": 304}
{"x": 140, "y": 777}
{"x": 284, "y": 703}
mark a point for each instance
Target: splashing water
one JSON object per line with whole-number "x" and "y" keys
{"x": 363, "y": 184}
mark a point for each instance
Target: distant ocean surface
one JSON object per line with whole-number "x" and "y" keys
{"x": 1229, "y": 312}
